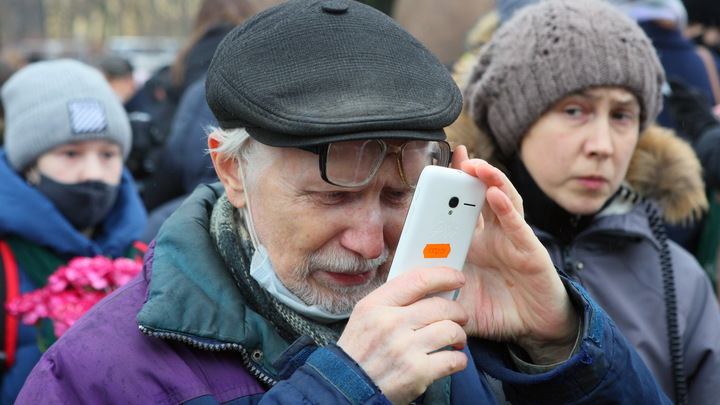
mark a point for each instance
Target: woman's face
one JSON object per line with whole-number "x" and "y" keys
{"x": 579, "y": 151}
{"x": 82, "y": 161}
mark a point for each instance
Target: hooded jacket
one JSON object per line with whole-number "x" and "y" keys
{"x": 29, "y": 219}
{"x": 617, "y": 258}
{"x": 182, "y": 333}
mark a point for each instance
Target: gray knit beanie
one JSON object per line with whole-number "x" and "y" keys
{"x": 550, "y": 50}
{"x": 53, "y": 103}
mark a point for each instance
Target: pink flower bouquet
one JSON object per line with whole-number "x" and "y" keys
{"x": 72, "y": 290}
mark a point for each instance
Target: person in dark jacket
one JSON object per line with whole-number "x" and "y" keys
{"x": 185, "y": 162}
{"x": 664, "y": 22}
{"x": 64, "y": 191}
{"x": 214, "y": 19}
{"x": 564, "y": 90}
{"x": 270, "y": 286}
{"x": 704, "y": 23}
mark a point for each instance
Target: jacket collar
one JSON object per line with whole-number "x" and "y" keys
{"x": 186, "y": 264}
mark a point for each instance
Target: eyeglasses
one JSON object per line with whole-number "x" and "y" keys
{"x": 354, "y": 163}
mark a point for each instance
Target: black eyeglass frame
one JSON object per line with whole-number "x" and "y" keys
{"x": 322, "y": 152}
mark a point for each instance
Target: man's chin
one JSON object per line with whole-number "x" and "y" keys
{"x": 339, "y": 299}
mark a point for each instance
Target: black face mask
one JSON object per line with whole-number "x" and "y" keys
{"x": 84, "y": 204}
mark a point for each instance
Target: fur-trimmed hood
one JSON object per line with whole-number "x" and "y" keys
{"x": 664, "y": 167}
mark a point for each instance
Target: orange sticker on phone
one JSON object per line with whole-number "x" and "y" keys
{"x": 436, "y": 250}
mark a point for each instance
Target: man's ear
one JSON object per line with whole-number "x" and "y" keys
{"x": 228, "y": 171}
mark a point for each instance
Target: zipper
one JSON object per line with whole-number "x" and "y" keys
{"x": 567, "y": 261}
{"x": 256, "y": 371}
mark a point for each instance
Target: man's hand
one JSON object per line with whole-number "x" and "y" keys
{"x": 513, "y": 292}
{"x": 396, "y": 335}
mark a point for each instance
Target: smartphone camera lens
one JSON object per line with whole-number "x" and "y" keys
{"x": 454, "y": 202}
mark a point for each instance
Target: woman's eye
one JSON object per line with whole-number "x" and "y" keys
{"x": 573, "y": 111}
{"x": 70, "y": 153}
{"x": 624, "y": 116}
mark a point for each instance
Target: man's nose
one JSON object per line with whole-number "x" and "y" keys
{"x": 365, "y": 234}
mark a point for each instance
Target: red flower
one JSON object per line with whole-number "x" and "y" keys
{"x": 72, "y": 290}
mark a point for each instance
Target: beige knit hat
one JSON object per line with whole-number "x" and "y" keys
{"x": 552, "y": 49}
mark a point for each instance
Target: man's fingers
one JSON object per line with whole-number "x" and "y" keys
{"x": 433, "y": 309}
{"x": 512, "y": 221}
{"x": 441, "y": 335}
{"x": 494, "y": 177}
{"x": 410, "y": 287}
{"x": 459, "y": 155}
{"x": 447, "y": 362}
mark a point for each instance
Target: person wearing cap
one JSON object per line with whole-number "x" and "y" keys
{"x": 564, "y": 91}
{"x": 63, "y": 190}
{"x": 118, "y": 71}
{"x": 269, "y": 287}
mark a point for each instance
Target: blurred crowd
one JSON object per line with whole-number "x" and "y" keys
{"x": 92, "y": 162}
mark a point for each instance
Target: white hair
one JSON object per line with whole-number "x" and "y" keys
{"x": 253, "y": 159}
{"x": 252, "y": 156}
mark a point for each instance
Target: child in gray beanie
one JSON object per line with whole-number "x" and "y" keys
{"x": 64, "y": 191}
{"x": 563, "y": 90}
{"x": 57, "y": 102}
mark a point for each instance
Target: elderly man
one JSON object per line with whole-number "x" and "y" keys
{"x": 269, "y": 287}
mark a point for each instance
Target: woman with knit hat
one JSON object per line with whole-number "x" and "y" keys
{"x": 64, "y": 191}
{"x": 563, "y": 90}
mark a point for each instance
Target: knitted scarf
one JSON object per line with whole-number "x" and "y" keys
{"x": 232, "y": 240}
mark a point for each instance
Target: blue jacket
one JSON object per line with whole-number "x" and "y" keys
{"x": 181, "y": 333}
{"x": 27, "y": 214}
{"x": 680, "y": 60}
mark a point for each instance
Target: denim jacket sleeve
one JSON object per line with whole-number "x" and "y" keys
{"x": 326, "y": 375}
{"x": 606, "y": 369}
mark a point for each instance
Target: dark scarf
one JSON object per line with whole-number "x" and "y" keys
{"x": 232, "y": 240}
{"x": 544, "y": 213}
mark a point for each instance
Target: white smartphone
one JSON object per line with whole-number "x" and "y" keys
{"x": 440, "y": 222}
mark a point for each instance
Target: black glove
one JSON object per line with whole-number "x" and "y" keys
{"x": 691, "y": 109}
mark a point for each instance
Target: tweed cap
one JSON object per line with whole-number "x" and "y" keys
{"x": 308, "y": 72}
{"x": 53, "y": 103}
{"x": 553, "y": 49}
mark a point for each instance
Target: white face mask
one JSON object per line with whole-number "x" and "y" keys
{"x": 263, "y": 272}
